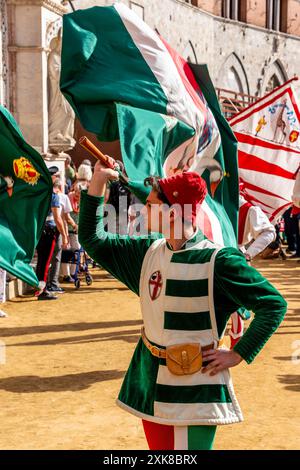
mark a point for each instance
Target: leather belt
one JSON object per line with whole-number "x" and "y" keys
{"x": 161, "y": 353}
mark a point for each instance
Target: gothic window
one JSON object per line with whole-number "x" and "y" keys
{"x": 275, "y": 75}
{"x": 234, "y": 81}
{"x": 272, "y": 83}
{"x": 232, "y": 75}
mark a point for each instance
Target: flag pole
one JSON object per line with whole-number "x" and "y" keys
{"x": 104, "y": 159}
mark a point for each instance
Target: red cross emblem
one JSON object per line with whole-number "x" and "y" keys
{"x": 155, "y": 285}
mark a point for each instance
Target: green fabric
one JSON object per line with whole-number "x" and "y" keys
{"x": 227, "y": 193}
{"x": 102, "y": 65}
{"x": 116, "y": 95}
{"x": 201, "y": 437}
{"x": 121, "y": 256}
{"x": 138, "y": 388}
{"x": 196, "y": 288}
{"x": 192, "y": 394}
{"x": 192, "y": 257}
{"x": 187, "y": 321}
{"x": 236, "y": 284}
{"x": 146, "y": 139}
{"x": 22, "y": 215}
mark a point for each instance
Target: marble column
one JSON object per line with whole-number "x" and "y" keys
{"x": 32, "y": 26}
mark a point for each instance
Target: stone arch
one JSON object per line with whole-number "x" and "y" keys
{"x": 232, "y": 75}
{"x": 189, "y": 53}
{"x": 275, "y": 75}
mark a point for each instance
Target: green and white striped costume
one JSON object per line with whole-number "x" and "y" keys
{"x": 194, "y": 305}
{"x": 182, "y": 313}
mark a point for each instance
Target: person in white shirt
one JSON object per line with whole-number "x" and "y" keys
{"x": 65, "y": 209}
{"x": 255, "y": 233}
{"x": 2, "y": 291}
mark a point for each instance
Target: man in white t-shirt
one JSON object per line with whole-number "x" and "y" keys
{"x": 2, "y": 290}
{"x": 66, "y": 208}
{"x": 255, "y": 233}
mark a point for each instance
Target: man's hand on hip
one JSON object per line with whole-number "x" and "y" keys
{"x": 220, "y": 359}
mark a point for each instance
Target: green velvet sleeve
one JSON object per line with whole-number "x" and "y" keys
{"x": 122, "y": 256}
{"x": 239, "y": 285}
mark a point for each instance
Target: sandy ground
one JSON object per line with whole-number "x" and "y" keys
{"x": 65, "y": 361}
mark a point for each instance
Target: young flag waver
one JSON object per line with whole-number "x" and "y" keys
{"x": 125, "y": 82}
{"x": 25, "y": 195}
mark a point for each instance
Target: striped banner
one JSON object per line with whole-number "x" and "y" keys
{"x": 268, "y": 133}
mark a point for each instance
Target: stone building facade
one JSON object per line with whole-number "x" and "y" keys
{"x": 250, "y": 47}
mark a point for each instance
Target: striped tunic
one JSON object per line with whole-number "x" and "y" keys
{"x": 182, "y": 302}
{"x": 181, "y": 313}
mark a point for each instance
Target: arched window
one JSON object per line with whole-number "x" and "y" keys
{"x": 232, "y": 75}
{"x": 272, "y": 83}
{"x": 234, "y": 81}
{"x": 275, "y": 76}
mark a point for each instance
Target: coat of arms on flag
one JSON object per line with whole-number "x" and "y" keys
{"x": 269, "y": 149}
{"x": 155, "y": 285}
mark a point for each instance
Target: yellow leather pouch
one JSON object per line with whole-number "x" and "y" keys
{"x": 184, "y": 359}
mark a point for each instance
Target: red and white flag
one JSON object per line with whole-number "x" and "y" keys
{"x": 268, "y": 133}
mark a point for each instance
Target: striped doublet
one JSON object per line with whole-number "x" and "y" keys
{"x": 182, "y": 313}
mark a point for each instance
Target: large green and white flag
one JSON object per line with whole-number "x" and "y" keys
{"x": 25, "y": 196}
{"x": 125, "y": 82}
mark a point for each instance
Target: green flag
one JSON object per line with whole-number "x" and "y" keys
{"x": 125, "y": 82}
{"x": 25, "y": 196}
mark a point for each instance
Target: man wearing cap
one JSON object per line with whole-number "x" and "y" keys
{"x": 178, "y": 381}
{"x": 54, "y": 226}
{"x": 255, "y": 233}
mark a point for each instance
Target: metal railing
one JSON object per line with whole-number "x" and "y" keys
{"x": 232, "y": 102}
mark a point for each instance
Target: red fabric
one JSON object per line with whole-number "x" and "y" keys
{"x": 49, "y": 258}
{"x": 295, "y": 210}
{"x": 159, "y": 436}
{"x": 185, "y": 189}
{"x": 243, "y": 212}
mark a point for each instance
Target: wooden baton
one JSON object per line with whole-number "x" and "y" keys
{"x": 93, "y": 150}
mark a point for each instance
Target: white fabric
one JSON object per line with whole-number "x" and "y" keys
{"x": 2, "y": 285}
{"x": 65, "y": 203}
{"x": 237, "y": 326}
{"x": 296, "y": 191}
{"x": 165, "y": 377}
{"x": 278, "y": 154}
{"x": 181, "y": 438}
{"x": 257, "y": 228}
{"x": 208, "y": 414}
{"x": 196, "y": 413}
{"x": 262, "y": 241}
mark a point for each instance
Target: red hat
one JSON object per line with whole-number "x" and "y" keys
{"x": 186, "y": 188}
